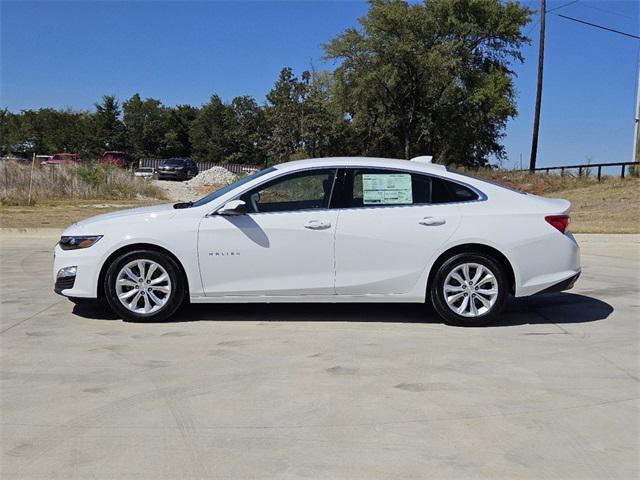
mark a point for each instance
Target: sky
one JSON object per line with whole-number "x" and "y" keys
{"x": 69, "y": 54}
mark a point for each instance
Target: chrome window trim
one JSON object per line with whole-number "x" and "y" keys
{"x": 482, "y": 197}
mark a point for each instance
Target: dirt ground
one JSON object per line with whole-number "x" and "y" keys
{"x": 604, "y": 208}
{"x": 609, "y": 207}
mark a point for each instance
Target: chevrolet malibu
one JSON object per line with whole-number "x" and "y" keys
{"x": 327, "y": 230}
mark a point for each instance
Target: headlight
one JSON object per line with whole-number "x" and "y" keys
{"x": 82, "y": 241}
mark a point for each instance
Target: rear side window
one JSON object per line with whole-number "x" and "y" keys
{"x": 372, "y": 187}
{"x": 443, "y": 191}
{"x": 387, "y": 188}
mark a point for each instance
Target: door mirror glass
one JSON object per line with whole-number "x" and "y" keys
{"x": 234, "y": 207}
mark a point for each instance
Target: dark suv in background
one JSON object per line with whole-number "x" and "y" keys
{"x": 177, "y": 169}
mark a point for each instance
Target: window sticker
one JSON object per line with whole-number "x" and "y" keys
{"x": 386, "y": 189}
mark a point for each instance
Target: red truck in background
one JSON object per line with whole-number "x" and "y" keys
{"x": 113, "y": 157}
{"x": 62, "y": 159}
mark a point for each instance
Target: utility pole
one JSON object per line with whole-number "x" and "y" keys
{"x": 33, "y": 162}
{"x": 536, "y": 117}
{"x": 635, "y": 156}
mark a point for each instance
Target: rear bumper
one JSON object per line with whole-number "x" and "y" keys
{"x": 546, "y": 262}
{"x": 563, "y": 285}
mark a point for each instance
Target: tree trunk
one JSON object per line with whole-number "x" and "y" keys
{"x": 407, "y": 144}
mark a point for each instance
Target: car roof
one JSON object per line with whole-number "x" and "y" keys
{"x": 361, "y": 162}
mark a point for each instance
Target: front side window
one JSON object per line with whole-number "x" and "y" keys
{"x": 298, "y": 191}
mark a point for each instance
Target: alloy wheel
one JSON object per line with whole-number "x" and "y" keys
{"x": 143, "y": 286}
{"x": 470, "y": 290}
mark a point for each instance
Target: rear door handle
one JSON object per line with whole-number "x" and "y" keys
{"x": 432, "y": 221}
{"x": 317, "y": 225}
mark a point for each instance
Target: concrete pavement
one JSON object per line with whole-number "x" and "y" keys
{"x": 321, "y": 391}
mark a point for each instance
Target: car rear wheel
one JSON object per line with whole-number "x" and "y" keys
{"x": 144, "y": 286}
{"x": 469, "y": 289}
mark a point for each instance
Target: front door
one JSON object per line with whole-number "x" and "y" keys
{"x": 282, "y": 246}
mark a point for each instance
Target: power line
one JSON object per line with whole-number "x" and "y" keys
{"x": 562, "y": 6}
{"x": 597, "y": 26}
{"x": 610, "y": 12}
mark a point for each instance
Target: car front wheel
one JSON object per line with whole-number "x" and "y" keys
{"x": 144, "y": 286}
{"x": 469, "y": 289}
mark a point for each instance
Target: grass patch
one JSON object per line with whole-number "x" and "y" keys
{"x": 82, "y": 181}
{"x": 62, "y": 213}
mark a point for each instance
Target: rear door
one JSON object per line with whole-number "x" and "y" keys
{"x": 388, "y": 229}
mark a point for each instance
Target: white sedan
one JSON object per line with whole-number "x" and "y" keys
{"x": 327, "y": 230}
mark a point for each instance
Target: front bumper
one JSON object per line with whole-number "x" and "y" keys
{"x": 64, "y": 283}
{"x": 178, "y": 174}
{"x": 84, "y": 283}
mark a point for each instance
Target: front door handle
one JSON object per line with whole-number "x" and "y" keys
{"x": 317, "y": 225}
{"x": 432, "y": 221}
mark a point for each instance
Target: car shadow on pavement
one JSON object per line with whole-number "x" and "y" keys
{"x": 540, "y": 309}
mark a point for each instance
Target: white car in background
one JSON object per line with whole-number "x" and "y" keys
{"x": 145, "y": 172}
{"x": 327, "y": 230}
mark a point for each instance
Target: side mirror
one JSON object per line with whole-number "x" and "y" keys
{"x": 234, "y": 207}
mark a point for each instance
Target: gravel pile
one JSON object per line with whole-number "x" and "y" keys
{"x": 177, "y": 191}
{"x": 213, "y": 176}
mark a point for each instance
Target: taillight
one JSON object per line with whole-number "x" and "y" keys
{"x": 560, "y": 222}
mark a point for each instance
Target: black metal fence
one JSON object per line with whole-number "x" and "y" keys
{"x": 588, "y": 167}
{"x": 237, "y": 168}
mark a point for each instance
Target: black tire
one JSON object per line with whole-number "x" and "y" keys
{"x": 176, "y": 295}
{"x": 438, "y": 297}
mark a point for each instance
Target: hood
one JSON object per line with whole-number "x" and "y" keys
{"x": 144, "y": 214}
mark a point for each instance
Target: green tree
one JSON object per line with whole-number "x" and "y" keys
{"x": 176, "y": 141}
{"x": 431, "y": 78}
{"x": 49, "y": 131}
{"x": 146, "y": 126}
{"x": 210, "y": 132}
{"x": 109, "y": 131}
{"x": 304, "y": 120}
{"x": 285, "y": 116}
{"x": 248, "y": 131}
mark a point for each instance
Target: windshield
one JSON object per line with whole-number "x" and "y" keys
{"x": 228, "y": 188}
{"x": 174, "y": 163}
